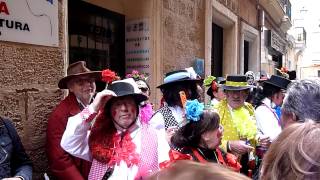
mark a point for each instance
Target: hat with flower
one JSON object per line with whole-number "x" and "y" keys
{"x": 140, "y": 78}
{"x": 125, "y": 87}
{"x": 187, "y": 75}
{"x": 283, "y": 72}
{"x": 213, "y": 83}
{"x": 136, "y": 75}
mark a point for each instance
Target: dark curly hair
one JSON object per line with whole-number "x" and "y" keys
{"x": 190, "y": 134}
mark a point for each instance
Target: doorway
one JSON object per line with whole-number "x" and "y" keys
{"x": 245, "y": 56}
{"x": 97, "y": 36}
{"x": 217, "y": 50}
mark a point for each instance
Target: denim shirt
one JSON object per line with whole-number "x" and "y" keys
{"x": 13, "y": 159}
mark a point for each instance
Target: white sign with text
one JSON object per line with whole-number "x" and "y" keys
{"x": 29, "y": 21}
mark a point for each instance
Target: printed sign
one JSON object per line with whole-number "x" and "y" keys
{"x": 29, "y": 21}
{"x": 138, "y": 46}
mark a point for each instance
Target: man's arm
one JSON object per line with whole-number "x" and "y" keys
{"x": 60, "y": 162}
{"x": 21, "y": 165}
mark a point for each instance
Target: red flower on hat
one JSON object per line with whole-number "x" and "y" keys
{"x": 108, "y": 76}
{"x": 284, "y": 69}
{"x": 214, "y": 86}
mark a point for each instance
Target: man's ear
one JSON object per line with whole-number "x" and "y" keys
{"x": 288, "y": 119}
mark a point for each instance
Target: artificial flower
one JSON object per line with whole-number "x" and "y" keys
{"x": 137, "y": 75}
{"x": 193, "y": 110}
{"x": 108, "y": 76}
{"x": 207, "y": 81}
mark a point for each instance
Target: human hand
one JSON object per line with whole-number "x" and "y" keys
{"x": 12, "y": 178}
{"x": 101, "y": 99}
{"x": 239, "y": 147}
{"x": 264, "y": 141}
{"x": 170, "y": 132}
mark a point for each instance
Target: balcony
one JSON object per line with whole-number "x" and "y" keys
{"x": 280, "y": 12}
{"x": 300, "y": 38}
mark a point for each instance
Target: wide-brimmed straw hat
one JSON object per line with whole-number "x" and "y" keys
{"x": 77, "y": 70}
{"x": 178, "y": 77}
{"x": 236, "y": 83}
{"x": 278, "y": 81}
{"x": 127, "y": 87}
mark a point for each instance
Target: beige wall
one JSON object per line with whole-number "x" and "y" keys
{"x": 28, "y": 91}
{"x": 248, "y": 12}
{"x": 309, "y": 72}
{"x": 183, "y": 33}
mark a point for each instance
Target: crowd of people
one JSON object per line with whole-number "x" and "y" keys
{"x": 261, "y": 129}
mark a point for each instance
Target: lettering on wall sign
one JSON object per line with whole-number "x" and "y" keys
{"x": 4, "y": 8}
{"x": 32, "y": 22}
{"x": 138, "y": 46}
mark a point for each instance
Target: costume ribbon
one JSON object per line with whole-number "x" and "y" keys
{"x": 174, "y": 156}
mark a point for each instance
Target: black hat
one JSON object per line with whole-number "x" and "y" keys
{"x": 178, "y": 76}
{"x": 236, "y": 83}
{"x": 127, "y": 87}
{"x": 278, "y": 81}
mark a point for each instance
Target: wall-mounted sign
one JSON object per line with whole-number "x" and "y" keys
{"x": 198, "y": 66}
{"x": 29, "y": 21}
{"x": 276, "y": 42}
{"x": 138, "y": 46}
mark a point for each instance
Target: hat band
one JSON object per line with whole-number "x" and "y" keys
{"x": 236, "y": 84}
{"x": 176, "y": 76}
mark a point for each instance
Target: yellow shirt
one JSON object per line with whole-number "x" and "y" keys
{"x": 237, "y": 123}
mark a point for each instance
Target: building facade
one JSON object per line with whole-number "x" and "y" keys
{"x": 153, "y": 36}
{"x": 275, "y": 21}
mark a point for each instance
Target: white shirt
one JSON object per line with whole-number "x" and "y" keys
{"x": 75, "y": 142}
{"x": 267, "y": 121}
{"x": 214, "y": 102}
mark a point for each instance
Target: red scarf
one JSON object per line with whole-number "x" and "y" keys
{"x": 109, "y": 147}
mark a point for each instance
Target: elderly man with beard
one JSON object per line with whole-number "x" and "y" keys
{"x": 237, "y": 118}
{"x": 80, "y": 82}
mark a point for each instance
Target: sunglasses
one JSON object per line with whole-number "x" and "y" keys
{"x": 144, "y": 89}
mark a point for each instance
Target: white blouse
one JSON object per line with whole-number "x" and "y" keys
{"x": 267, "y": 120}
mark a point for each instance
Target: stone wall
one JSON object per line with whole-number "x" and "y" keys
{"x": 248, "y": 12}
{"x": 183, "y": 33}
{"x": 28, "y": 91}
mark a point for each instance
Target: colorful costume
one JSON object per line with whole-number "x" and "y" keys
{"x": 239, "y": 124}
{"x": 129, "y": 153}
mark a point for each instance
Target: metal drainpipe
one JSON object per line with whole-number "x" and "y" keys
{"x": 260, "y": 27}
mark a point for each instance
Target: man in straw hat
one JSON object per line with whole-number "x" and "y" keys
{"x": 80, "y": 82}
{"x": 237, "y": 117}
{"x": 119, "y": 145}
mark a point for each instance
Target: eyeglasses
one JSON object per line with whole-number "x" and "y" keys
{"x": 144, "y": 89}
{"x": 220, "y": 128}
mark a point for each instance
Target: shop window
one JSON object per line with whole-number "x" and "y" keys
{"x": 96, "y": 35}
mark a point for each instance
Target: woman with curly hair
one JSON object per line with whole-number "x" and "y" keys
{"x": 201, "y": 136}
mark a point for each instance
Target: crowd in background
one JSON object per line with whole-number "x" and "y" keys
{"x": 259, "y": 128}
